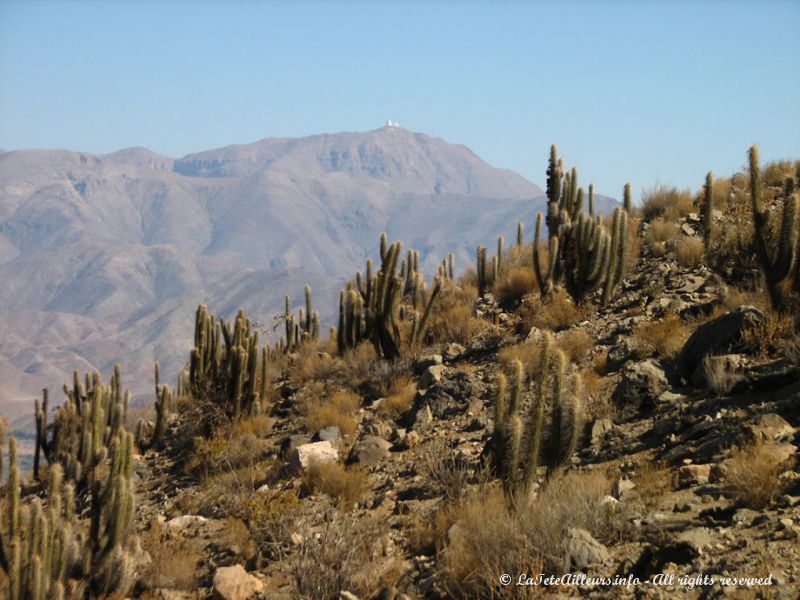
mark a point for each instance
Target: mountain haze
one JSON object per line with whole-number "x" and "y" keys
{"x": 104, "y": 258}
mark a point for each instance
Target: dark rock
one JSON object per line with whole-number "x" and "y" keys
{"x": 640, "y": 386}
{"x": 628, "y": 349}
{"x": 424, "y": 362}
{"x": 329, "y": 434}
{"x": 370, "y": 451}
{"x": 289, "y": 444}
{"x": 719, "y": 336}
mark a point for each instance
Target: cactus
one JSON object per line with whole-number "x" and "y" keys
{"x": 626, "y": 198}
{"x": 708, "y": 210}
{"x": 544, "y": 279}
{"x": 483, "y": 284}
{"x": 500, "y": 244}
{"x": 780, "y": 264}
{"x": 619, "y": 249}
{"x": 520, "y": 236}
{"x": 586, "y": 256}
{"x": 519, "y": 446}
{"x": 591, "y": 199}
{"x": 224, "y": 363}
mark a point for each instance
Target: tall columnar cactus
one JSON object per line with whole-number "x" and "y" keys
{"x": 520, "y": 235}
{"x": 500, "y": 246}
{"x": 483, "y": 283}
{"x": 544, "y": 278}
{"x": 619, "y": 250}
{"x": 780, "y": 263}
{"x": 586, "y": 256}
{"x": 708, "y": 210}
{"x": 555, "y": 173}
{"x": 518, "y": 444}
{"x": 591, "y": 199}
{"x": 626, "y": 198}
{"x": 224, "y": 364}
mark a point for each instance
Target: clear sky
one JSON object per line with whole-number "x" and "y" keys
{"x": 629, "y": 90}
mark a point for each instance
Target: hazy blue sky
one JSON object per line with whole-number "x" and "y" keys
{"x": 642, "y": 91}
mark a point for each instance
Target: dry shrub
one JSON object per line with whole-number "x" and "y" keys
{"x": 661, "y": 231}
{"x": 667, "y": 202}
{"x": 513, "y": 285}
{"x": 663, "y": 338}
{"x": 689, "y": 251}
{"x": 272, "y": 519}
{"x": 720, "y": 376}
{"x": 357, "y": 363}
{"x": 556, "y": 311}
{"x": 753, "y": 474}
{"x": 348, "y": 554}
{"x": 309, "y": 363}
{"x": 400, "y": 394}
{"x": 337, "y": 410}
{"x": 454, "y": 325}
{"x": 526, "y": 352}
{"x": 490, "y": 536}
{"x": 426, "y": 534}
{"x": 227, "y": 453}
{"x": 256, "y": 426}
{"x": 174, "y": 560}
{"x": 447, "y": 473}
{"x": 771, "y": 335}
{"x": 575, "y": 344}
{"x": 345, "y": 486}
{"x": 653, "y": 481}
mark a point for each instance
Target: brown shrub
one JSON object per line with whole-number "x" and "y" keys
{"x": 514, "y": 284}
{"x": 344, "y": 486}
{"x": 719, "y": 375}
{"x": 398, "y": 397}
{"x": 490, "y": 536}
{"x": 556, "y": 311}
{"x": 337, "y": 410}
{"x": 652, "y": 481}
{"x": 174, "y": 561}
{"x": 457, "y": 324}
{"x": 526, "y": 352}
{"x": 772, "y": 335}
{"x": 661, "y": 231}
{"x": 666, "y": 201}
{"x": 663, "y": 338}
{"x": 753, "y": 474}
{"x": 689, "y": 251}
{"x": 575, "y": 344}
{"x": 310, "y": 364}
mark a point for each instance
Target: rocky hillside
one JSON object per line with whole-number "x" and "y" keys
{"x": 103, "y": 256}
{"x": 625, "y": 411}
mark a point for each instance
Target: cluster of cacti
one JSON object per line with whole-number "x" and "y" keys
{"x": 83, "y": 428}
{"x": 519, "y": 445}
{"x": 447, "y": 267}
{"x": 225, "y": 364}
{"x": 780, "y": 261}
{"x": 152, "y": 435}
{"x": 303, "y": 329}
{"x": 369, "y": 309}
{"x": 486, "y": 278}
{"x": 45, "y": 552}
{"x": 580, "y": 249}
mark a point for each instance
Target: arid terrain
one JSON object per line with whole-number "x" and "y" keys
{"x": 605, "y": 406}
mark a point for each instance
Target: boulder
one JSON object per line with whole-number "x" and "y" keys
{"x": 689, "y": 475}
{"x": 641, "y": 384}
{"x": 329, "y": 434}
{"x": 431, "y": 375}
{"x": 719, "y": 336}
{"x": 769, "y": 427}
{"x": 583, "y": 550}
{"x": 421, "y": 364}
{"x": 234, "y": 583}
{"x": 314, "y": 452}
{"x": 370, "y": 451}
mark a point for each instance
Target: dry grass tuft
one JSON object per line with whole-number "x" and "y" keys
{"x": 526, "y": 352}
{"x": 555, "y": 312}
{"x": 689, "y": 251}
{"x": 489, "y": 536}
{"x": 575, "y": 344}
{"x": 337, "y": 410}
{"x": 753, "y": 474}
{"x": 456, "y": 324}
{"x": 661, "y": 231}
{"x": 772, "y": 335}
{"x": 667, "y": 202}
{"x": 398, "y": 397}
{"x": 513, "y": 285}
{"x": 345, "y": 486}
{"x": 174, "y": 560}
{"x": 662, "y": 338}
{"x": 720, "y": 376}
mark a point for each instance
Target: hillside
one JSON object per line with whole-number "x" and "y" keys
{"x": 620, "y": 419}
{"x": 103, "y": 256}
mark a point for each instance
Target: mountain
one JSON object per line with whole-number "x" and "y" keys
{"x": 104, "y": 258}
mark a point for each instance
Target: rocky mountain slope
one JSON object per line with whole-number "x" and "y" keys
{"x": 102, "y": 257}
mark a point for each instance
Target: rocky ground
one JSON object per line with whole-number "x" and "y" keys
{"x": 656, "y": 428}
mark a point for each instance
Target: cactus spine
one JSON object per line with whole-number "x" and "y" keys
{"x": 780, "y": 265}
